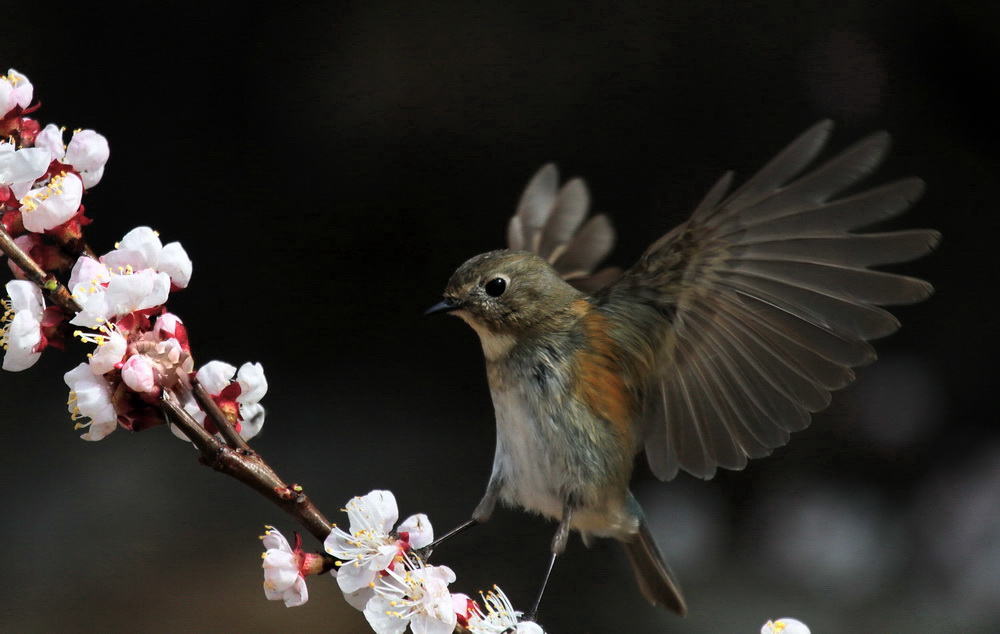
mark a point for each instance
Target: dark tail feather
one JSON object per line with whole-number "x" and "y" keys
{"x": 655, "y": 579}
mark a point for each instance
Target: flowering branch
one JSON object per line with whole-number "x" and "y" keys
{"x": 56, "y": 292}
{"x": 248, "y": 467}
{"x": 142, "y": 374}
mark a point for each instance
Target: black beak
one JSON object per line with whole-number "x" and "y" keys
{"x": 445, "y": 306}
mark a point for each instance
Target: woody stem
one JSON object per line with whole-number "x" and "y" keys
{"x": 248, "y": 467}
{"x": 55, "y": 291}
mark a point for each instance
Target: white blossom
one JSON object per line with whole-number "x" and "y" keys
{"x": 105, "y": 294}
{"x": 50, "y": 205}
{"x": 368, "y": 548}
{"x": 141, "y": 249}
{"x": 90, "y": 397}
{"x": 21, "y": 333}
{"x": 415, "y": 595}
{"x": 216, "y": 377}
{"x": 253, "y": 387}
{"x": 283, "y": 579}
{"x": 87, "y": 153}
{"x": 15, "y": 90}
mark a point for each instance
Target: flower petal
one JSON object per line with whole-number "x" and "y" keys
{"x": 50, "y": 206}
{"x": 215, "y": 376}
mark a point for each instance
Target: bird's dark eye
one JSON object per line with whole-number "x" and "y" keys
{"x": 496, "y": 287}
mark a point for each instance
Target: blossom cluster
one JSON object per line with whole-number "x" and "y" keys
{"x": 120, "y": 297}
{"x": 381, "y": 573}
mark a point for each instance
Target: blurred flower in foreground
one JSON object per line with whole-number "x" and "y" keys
{"x": 286, "y": 568}
{"x": 959, "y": 524}
{"x": 784, "y": 625}
{"x": 840, "y": 542}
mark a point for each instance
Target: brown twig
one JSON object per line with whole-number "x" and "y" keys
{"x": 211, "y": 408}
{"x": 54, "y": 290}
{"x": 249, "y": 468}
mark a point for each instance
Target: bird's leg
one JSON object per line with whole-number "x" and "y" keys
{"x": 455, "y": 531}
{"x": 558, "y": 547}
{"x": 482, "y": 513}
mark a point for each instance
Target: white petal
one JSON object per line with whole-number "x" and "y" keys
{"x": 93, "y": 401}
{"x": 298, "y": 594}
{"x": 87, "y": 151}
{"x": 25, "y": 296}
{"x": 108, "y": 354}
{"x": 92, "y": 177}
{"x": 174, "y": 261}
{"x": 144, "y": 289}
{"x": 23, "y": 335}
{"x": 253, "y": 420}
{"x": 352, "y": 577}
{"x": 6, "y": 101}
{"x": 419, "y": 528}
{"x": 166, "y": 325}
{"x": 359, "y": 598}
{"x": 380, "y": 507}
{"x": 274, "y": 540}
{"x": 253, "y": 384}
{"x": 95, "y": 310}
{"x": 48, "y": 207}
{"x": 22, "y": 166}
{"x": 21, "y": 90}
{"x": 139, "y": 374}
{"x": 215, "y": 376}
{"x": 380, "y": 614}
{"x": 51, "y": 139}
{"x": 426, "y": 624}
{"x": 280, "y": 569}
{"x": 144, "y": 241}
{"x": 88, "y": 271}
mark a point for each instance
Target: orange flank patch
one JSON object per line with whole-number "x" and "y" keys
{"x": 600, "y": 381}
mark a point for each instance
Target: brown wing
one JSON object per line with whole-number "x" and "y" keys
{"x": 549, "y": 222}
{"x": 771, "y": 303}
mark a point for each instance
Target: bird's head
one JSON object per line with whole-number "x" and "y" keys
{"x": 506, "y": 294}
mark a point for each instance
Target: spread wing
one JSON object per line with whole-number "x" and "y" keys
{"x": 549, "y": 222}
{"x": 771, "y": 303}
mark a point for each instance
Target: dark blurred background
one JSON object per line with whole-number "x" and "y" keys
{"x": 328, "y": 167}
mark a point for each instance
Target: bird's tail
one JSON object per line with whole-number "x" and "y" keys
{"x": 655, "y": 578}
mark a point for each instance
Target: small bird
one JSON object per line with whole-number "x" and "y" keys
{"x": 717, "y": 344}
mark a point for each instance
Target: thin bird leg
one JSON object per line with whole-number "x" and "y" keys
{"x": 558, "y": 548}
{"x": 455, "y": 531}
